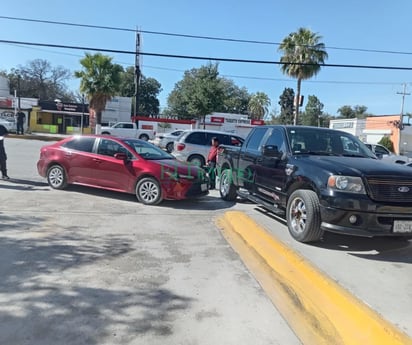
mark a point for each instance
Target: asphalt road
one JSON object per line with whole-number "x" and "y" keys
{"x": 84, "y": 266}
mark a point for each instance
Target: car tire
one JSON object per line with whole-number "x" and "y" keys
{"x": 106, "y": 133}
{"x": 169, "y": 147}
{"x": 227, "y": 189}
{"x": 148, "y": 191}
{"x": 197, "y": 160}
{"x": 144, "y": 137}
{"x": 56, "y": 177}
{"x": 303, "y": 216}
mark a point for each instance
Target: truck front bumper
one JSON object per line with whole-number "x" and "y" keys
{"x": 362, "y": 217}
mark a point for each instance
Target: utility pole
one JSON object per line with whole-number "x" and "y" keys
{"x": 137, "y": 75}
{"x": 403, "y": 93}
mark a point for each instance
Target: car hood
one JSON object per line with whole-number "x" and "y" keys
{"x": 355, "y": 166}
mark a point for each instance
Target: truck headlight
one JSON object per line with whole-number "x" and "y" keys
{"x": 350, "y": 184}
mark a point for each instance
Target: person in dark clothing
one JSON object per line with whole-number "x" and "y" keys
{"x": 20, "y": 122}
{"x": 3, "y": 156}
{"x": 211, "y": 162}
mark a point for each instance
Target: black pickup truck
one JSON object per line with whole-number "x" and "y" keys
{"x": 320, "y": 180}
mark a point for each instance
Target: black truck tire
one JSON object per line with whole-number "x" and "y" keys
{"x": 303, "y": 216}
{"x": 227, "y": 189}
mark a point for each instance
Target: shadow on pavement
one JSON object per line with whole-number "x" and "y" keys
{"x": 58, "y": 286}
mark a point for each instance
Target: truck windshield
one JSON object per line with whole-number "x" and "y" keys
{"x": 306, "y": 140}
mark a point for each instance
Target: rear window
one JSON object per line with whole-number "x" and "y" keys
{"x": 80, "y": 144}
{"x": 197, "y": 138}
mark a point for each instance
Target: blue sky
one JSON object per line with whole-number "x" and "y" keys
{"x": 345, "y": 27}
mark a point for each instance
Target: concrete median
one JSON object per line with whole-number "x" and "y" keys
{"x": 318, "y": 309}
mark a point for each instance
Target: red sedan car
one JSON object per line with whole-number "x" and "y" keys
{"x": 120, "y": 164}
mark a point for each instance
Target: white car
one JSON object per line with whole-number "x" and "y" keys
{"x": 383, "y": 153}
{"x": 9, "y": 124}
{"x": 194, "y": 145}
{"x": 167, "y": 140}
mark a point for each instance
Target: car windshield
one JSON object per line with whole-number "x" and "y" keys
{"x": 304, "y": 140}
{"x": 147, "y": 150}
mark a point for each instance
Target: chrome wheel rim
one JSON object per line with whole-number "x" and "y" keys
{"x": 298, "y": 216}
{"x": 56, "y": 177}
{"x": 148, "y": 192}
{"x": 225, "y": 184}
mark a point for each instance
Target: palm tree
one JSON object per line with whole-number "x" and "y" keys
{"x": 303, "y": 55}
{"x": 100, "y": 81}
{"x": 259, "y": 105}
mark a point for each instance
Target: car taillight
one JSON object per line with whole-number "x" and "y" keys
{"x": 180, "y": 147}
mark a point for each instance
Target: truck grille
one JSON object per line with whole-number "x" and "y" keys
{"x": 390, "y": 189}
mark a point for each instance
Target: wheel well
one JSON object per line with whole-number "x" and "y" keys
{"x": 300, "y": 185}
{"x": 106, "y": 133}
{"x": 196, "y": 155}
{"x": 144, "y": 176}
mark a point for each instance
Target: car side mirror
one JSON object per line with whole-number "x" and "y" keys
{"x": 379, "y": 155}
{"x": 121, "y": 156}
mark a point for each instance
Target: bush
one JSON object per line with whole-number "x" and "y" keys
{"x": 387, "y": 142}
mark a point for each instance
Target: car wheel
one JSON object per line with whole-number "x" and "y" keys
{"x": 106, "y": 133}
{"x": 197, "y": 160}
{"x": 227, "y": 189}
{"x": 56, "y": 177}
{"x": 144, "y": 137}
{"x": 303, "y": 216}
{"x": 169, "y": 147}
{"x": 148, "y": 191}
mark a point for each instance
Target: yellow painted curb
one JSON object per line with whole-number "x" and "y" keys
{"x": 318, "y": 309}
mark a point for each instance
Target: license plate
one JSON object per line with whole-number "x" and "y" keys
{"x": 402, "y": 226}
{"x": 203, "y": 187}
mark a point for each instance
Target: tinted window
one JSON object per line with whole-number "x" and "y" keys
{"x": 256, "y": 138}
{"x": 80, "y": 144}
{"x": 381, "y": 150}
{"x": 276, "y": 139}
{"x": 109, "y": 147}
{"x": 197, "y": 138}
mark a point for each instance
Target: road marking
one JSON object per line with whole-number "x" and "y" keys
{"x": 318, "y": 309}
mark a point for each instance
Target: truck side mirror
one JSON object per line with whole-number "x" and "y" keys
{"x": 271, "y": 151}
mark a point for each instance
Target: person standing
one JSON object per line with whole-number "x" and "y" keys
{"x": 20, "y": 122}
{"x": 211, "y": 162}
{"x": 3, "y": 156}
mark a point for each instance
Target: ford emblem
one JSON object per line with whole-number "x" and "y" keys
{"x": 403, "y": 189}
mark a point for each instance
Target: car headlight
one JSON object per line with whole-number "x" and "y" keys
{"x": 350, "y": 184}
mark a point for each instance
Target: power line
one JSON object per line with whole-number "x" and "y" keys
{"x": 214, "y": 38}
{"x": 192, "y": 57}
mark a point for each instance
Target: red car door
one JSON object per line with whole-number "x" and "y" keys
{"x": 110, "y": 172}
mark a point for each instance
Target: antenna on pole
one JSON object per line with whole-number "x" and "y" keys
{"x": 137, "y": 75}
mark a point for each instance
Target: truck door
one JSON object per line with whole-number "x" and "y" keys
{"x": 248, "y": 158}
{"x": 270, "y": 176}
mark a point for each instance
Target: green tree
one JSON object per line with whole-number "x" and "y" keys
{"x": 149, "y": 89}
{"x": 39, "y": 79}
{"x": 313, "y": 112}
{"x": 235, "y": 100}
{"x": 303, "y": 55}
{"x": 387, "y": 142}
{"x": 259, "y": 105}
{"x": 286, "y": 106}
{"x": 198, "y": 94}
{"x": 100, "y": 81}
{"x": 358, "y": 111}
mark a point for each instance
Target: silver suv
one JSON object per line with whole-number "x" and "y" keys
{"x": 194, "y": 145}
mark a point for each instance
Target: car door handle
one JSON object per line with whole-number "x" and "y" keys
{"x": 97, "y": 160}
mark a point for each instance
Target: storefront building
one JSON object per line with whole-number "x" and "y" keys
{"x": 60, "y": 117}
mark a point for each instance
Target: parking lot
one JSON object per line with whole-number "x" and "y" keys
{"x": 85, "y": 266}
